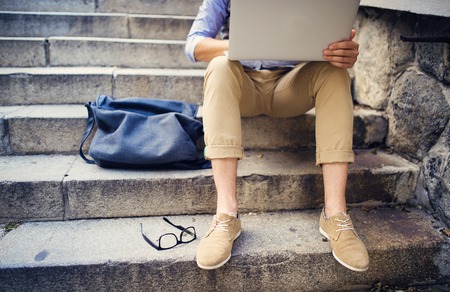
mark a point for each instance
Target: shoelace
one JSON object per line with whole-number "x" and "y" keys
{"x": 344, "y": 224}
{"x": 221, "y": 225}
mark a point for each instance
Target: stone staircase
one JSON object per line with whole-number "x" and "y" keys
{"x": 80, "y": 224}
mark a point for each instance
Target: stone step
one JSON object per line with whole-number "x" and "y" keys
{"x": 110, "y": 25}
{"x": 42, "y": 129}
{"x": 281, "y": 251}
{"x": 94, "y": 52}
{"x": 55, "y": 187}
{"x": 72, "y": 85}
{"x": 167, "y": 7}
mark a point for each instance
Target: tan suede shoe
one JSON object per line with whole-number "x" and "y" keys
{"x": 348, "y": 248}
{"x": 214, "y": 249}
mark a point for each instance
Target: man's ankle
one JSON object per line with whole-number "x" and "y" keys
{"x": 333, "y": 211}
{"x": 226, "y": 210}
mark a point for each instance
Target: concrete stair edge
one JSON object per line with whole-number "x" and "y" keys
{"x": 55, "y": 187}
{"x": 39, "y": 129}
{"x": 113, "y": 25}
{"x": 276, "y": 251}
{"x": 93, "y": 51}
{"x": 106, "y": 6}
{"x": 43, "y": 85}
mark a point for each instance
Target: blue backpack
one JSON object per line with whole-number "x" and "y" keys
{"x": 143, "y": 133}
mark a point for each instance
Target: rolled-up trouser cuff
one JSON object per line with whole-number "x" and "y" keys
{"x": 335, "y": 156}
{"x": 216, "y": 152}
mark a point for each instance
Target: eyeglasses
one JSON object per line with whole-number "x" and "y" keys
{"x": 170, "y": 240}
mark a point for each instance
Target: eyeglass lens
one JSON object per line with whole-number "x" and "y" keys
{"x": 170, "y": 240}
{"x": 188, "y": 235}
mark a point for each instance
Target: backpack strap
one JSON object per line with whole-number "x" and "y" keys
{"x": 87, "y": 132}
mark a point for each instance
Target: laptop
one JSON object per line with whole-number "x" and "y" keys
{"x": 288, "y": 30}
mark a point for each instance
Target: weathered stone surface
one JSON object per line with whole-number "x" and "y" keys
{"x": 4, "y": 139}
{"x": 370, "y": 128}
{"x": 77, "y": 85}
{"x": 380, "y": 51}
{"x": 432, "y": 55}
{"x": 172, "y": 7}
{"x": 22, "y": 52}
{"x": 51, "y": 129}
{"x": 53, "y": 85}
{"x": 65, "y": 51}
{"x": 58, "y": 128}
{"x": 23, "y": 24}
{"x": 418, "y": 113}
{"x": 160, "y": 27}
{"x": 436, "y": 168}
{"x": 48, "y": 5}
{"x": 31, "y": 188}
{"x": 54, "y": 24}
{"x": 431, "y": 7}
{"x": 267, "y": 181}
{"x": 288, "y": 254}
{"x": 4, "y": 130}
{"x": 186, "y": 85}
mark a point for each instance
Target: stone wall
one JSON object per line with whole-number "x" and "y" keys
{"x": 410, "y": 83}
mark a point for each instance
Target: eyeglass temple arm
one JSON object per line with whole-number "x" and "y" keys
{"x": 177, "y": 226}
{"x": 148, "y": 240}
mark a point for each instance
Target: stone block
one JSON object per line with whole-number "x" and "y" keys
{"x": 186, "y": 85}
{"x": 173, "y": 7}
{"x": 370, "y": 128}
{"x": 31, "y": 187}
{"x": 380, "y": 51}
{"x": 287, "y": 255}
{"x": 267, "y": 181}
{"x": 53, "y": 85}
{"x": 432, "y": 55}
{"x": 159, "y": 27}
{"x": 4, "y": 130}
{"x": 22, "y": 52}
{"x": 418, "y": 113}
{"x": 48, "y": 5}
{"x": 57, "y": 24}
{"x": 436, "y": 168}
{"x": 55, "y": 129}
{"x": 264, "y": 132}
{"x": 119, "y": 52}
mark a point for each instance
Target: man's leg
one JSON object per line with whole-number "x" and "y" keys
{"x": 335, "y": 182}
{"x": 225, "y": 173}
{"x": 225, "y": 84}
{"x": 336, "y": 225}
{"x": 327, "y": 88}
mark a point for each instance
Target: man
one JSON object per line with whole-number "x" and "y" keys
{"x": 280, "y": 89}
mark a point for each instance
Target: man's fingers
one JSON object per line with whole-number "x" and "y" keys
{"x": 352, "y": 34}
{"x": 343, "y": 53}
{"x": 344, "y": 45}
{"x": 342, "y": 65}
{"x": 340, "y": 59}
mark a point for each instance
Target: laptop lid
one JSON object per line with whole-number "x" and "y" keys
{"x": 288, "y": 30}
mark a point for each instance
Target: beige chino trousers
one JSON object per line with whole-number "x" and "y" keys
{"x": 232, "y": 92}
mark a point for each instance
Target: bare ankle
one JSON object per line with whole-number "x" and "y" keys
{"x": 333, "y": 211}
{"x": 226, "y": 210}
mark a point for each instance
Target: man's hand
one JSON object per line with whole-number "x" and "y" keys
{"x": 342, "y": 54}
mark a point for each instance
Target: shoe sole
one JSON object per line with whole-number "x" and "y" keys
{"x": 338, "y": 259}
{"x": 222, "y": 263}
